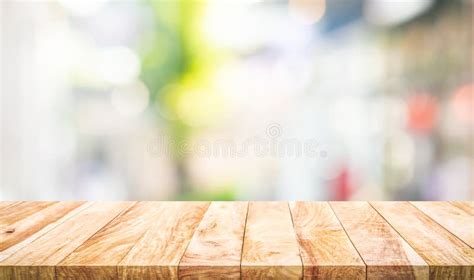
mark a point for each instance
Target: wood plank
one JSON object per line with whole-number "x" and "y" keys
{"x": 216, "y": 247}
{"x": 270, "y": 247}
{"x": 20, "y": 211}
{"x": 39, "y": 258}
{"x": 452, "y": 218}
{"x": 326, "y": 250}
{"x": 384, "y": 252}
{"x": 25, "y": 231}
{"x": 100, "y": 255}
{"x": 156, "y": 255}
{"x": 6, "y": 204}
{"x": 448, "y": 257}
{"x": 467, "y": 206}
{"x": 167, "y": 240}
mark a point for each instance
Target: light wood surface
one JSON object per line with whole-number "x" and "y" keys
{"x": 40, "y": 258}
{"x": 270, "y": 247}
{"x": 326, "y": 251}
{"x": 467, "y": 206}
{"x": 23, "y": 232}
{"x": 19, "y": 211}
{"x": 452, "y": 218}
{"x": 251, "y": 240}
{"x": 157, "y": 254}
{"x": 6, "y": 204}
{"x": 216, "y": 247}
{"x": 448, "y": 257}
{"x": 384, "y": 252}
{"x": 100, "y": 255}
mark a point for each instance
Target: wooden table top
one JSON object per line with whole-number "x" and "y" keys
{"x": 253, "y": 240}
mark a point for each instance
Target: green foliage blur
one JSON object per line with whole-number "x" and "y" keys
{"x": 174, "y": 72}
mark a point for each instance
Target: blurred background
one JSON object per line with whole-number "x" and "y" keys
{"x": 237, "y": 100}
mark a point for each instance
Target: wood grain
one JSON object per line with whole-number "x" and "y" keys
{"x": 23, "y": 232}
{"x": 467, "y": 206}
{"x": 99, "y": 256}
{"x": 452, "y": 218}
{"x": 448, "y": 257}
{"x": 216, "y": 247}
{"x": 157, "y": 254}
{"x": 19, "y": 211}
{"x": 256, "y": 240}
{"x": 326, "y": 251}
{"x": 384, "y": 252}
{"x": 6, "y": 204}
{"x": 270, "y": 247}
{"x": 38, "y": 259}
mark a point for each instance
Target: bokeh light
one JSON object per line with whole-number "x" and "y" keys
{"x": 119, "y": 65}
{"x": 127, "y": 97}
